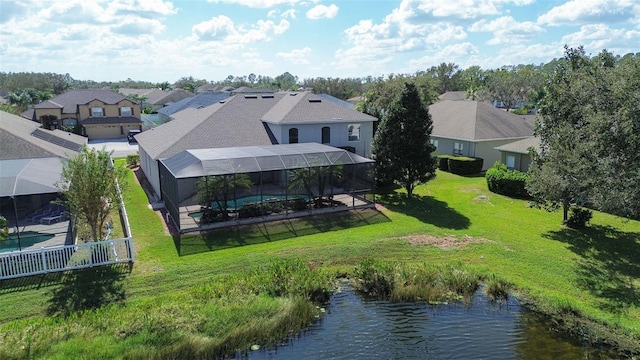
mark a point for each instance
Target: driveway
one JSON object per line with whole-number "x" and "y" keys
{"x": 120, "y": 147}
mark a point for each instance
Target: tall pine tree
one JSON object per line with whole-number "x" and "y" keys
{"x": 401, "y": 145}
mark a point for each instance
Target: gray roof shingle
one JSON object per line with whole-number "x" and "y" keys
{"x": 70, "y": 100}
{"x": 240, "y": 121}
{"x": 521, "y": 146}
{"x": 199, "y": 101}
{"x": 477, "y": 121}
{"x": 306, "y": 107}
{"x": 24, "y": 139}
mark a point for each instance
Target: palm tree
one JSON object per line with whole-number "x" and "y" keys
{"x": 218, "y": 189}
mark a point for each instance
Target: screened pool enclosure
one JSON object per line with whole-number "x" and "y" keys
{"x": 208, "y": 188}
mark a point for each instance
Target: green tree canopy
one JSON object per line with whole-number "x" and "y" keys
{"x": 90, "y": 185}
{"x": 401, "y": 145}
{"x": 589, "y": 130}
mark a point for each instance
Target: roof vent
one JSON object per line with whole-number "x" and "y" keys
{"x": 267, "y": 96}
{"x": 251, "y": 96}
{"x": 293, "y": 94}
{"x": 316, "y": 100}
{"x": 222, "y": 101}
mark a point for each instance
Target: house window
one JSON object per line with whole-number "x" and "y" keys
{"x": 293, "y": 136}
{"x": 434, "y": 143}
{"x": 457, "y": 148}
{"x": 96, "y": 111}
{"x": 326, "y": 135}
{"x": 354, "y": 132}
{"x": 125, "y": 111}
{"x": 510, "y": 160}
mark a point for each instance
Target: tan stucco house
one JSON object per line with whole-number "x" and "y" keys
{"x": 97, "y": 114}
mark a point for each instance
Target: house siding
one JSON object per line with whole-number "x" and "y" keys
{"x": 522, "y": 163}
{"x": 339, "y": 135}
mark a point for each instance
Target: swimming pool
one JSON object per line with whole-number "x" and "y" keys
{"x": 27, "y": 239}
{"x": 240, "y": 202}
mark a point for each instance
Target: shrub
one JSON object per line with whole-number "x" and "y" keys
{"x": 579, "y": 217}
{"x": 250, "y": 210}
{"x": 443, "y": 162}
{"x": 133, "y": 159}
{"x": 462, "y": 165}
{"x": 501, "y": 180}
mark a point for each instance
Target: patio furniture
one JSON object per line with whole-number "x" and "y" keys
{"x": 53, "y": 218}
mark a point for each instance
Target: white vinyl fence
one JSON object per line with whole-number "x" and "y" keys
{"x": 67, "y": 257}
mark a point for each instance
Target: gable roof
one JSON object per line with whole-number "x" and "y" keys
{"x": 241, "y": 120}
{"x": 69, "y": 101}
{"x": 158, "y": 96}
{"x": 477, "y": 121}
{"x": 521, "y": 146}
{"x": 24, "y": 139}
{"x": 233, "y": 122}
{"x": 308, "y": 108}
{"x": 249, "y": 90}
{"x": 199, "y": 101}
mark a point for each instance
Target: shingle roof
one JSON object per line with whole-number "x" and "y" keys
{"x": 249, "y": 90}
{"x": 306, "y": 107}
{"x": 236, "y": 122}
{"x": 24, "y": 139}
{"x": 521, "y": 146}
{"x": 477, "y": 121}
{"x": 199, "y": 101}
{"x": 453, "y": 95}
{"x": 240, "y": 121}
{"x": 69, "y": 100}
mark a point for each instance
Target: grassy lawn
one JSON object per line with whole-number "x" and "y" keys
{"x": 593, "y": 273}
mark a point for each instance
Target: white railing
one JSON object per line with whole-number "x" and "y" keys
{"x": 67, "y": 257}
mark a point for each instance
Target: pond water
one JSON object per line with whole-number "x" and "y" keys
{"x": 357, "y": 328}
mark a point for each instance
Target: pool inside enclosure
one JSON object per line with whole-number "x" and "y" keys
{"x": 211, "y": 188}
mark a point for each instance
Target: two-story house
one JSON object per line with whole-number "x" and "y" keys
{"x": 256, "y": 120}
{"x": 97, "y": 114}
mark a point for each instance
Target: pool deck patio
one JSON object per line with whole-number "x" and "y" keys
{"x": 60, "y": 231}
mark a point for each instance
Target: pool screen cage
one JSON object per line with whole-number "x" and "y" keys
{"x": 209, "y": 188}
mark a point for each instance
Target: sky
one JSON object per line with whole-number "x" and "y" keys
{"x": 163, "y": 40}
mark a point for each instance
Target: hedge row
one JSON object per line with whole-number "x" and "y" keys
{"x": 460, "y": 165}
{"x": 508, "y": 182}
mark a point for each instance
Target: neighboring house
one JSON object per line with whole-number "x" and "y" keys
{"x": 97, "y": 114}
{"x": 157, "y": 98}
{"x": 214, "y": 87}
{"x": 201, "y": 100}
{"x": 475, "y": 129}
{"x": 31, "y": 161}
{"x": 250, "y": 90}
{"x": 256, "y": 119}
{"x": 516, "y": 154}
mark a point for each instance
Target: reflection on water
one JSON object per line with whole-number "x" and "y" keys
{"x": 357, "y": 328}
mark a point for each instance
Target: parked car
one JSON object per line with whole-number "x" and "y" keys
{"x": 131, "y": 136}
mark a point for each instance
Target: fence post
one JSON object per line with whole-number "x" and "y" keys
{"x": 44, "y": 259}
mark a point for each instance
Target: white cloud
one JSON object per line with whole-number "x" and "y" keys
{"x": 597, "y": 37}
{"x": 455, "y": 53}
{"x": 322, "y": 12}
{"x": 585, "y": 11}
{"x": 217, "y": 28}
{"x": 261, "y": 4}
{"x": 419, "y": 11}
{"x": 506, "y": 30}
{"x": 291, "y": 14}
{"x": 222, "y": 28}
{"x": 297, "y": 56}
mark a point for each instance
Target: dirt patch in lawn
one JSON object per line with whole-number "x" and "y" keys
{"x": 444, "y": 242}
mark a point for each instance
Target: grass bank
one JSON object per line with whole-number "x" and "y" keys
{"x": 591, "y": 275}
